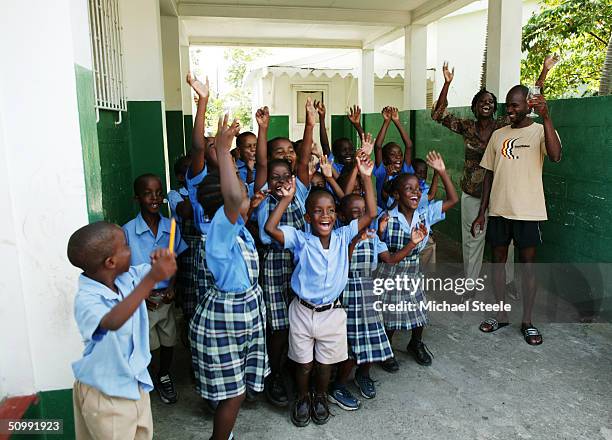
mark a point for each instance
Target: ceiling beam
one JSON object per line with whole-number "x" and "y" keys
{"x": 275, "y": 42}
{"x": 168, "y": 7}
{"x": 384, "y": 38}
{"x": 436, "y": 9}
{"x": 297, "y": 14}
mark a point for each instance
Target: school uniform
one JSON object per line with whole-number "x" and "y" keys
{"x": 142, "y": 242}
{"x": 227, "y": 331}
{"x": 111, "y": 391}
{"x": 278, "y": 262}
{"x": 380, "y": 173}
{"x": 397, "y": 236}
{"x": 317, "y": 319}
{"x": 367, "y": 339}
{"x": 243, "y": 170}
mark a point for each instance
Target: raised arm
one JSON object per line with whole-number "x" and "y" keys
{"x": 326, "y": 169}
{"x": 262, "y": 116}
{"x": 417, "y": 235}
{"x": 484, "y": 204}
{"x": 404, "y": 134}
{"x": 435, "y": 161}
{"x": 198, "y": 139}
{"x": 355, "y": 117}
{"x": 231, "y": 185}
{"x": 163, "y": 267}
{"x": 433, "y": 189}
{"x": 274, "y": 219}
{"x": 380, "y": 139}
{"x": 442, "y": 99}
{"x": 549, "y": 63}
{"x": 301, "y": 168}
{"x": 551, "y": 139}
{"x": 365, "y": 170}
{"x": 322, "y": 129}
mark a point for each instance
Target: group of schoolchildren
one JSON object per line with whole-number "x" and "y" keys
{"x": 276, "y": 248}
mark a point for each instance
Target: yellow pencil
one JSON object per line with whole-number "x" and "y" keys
{"x": 172, "y": 234}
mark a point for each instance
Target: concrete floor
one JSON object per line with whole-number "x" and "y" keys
{"x": 480, "y": 386}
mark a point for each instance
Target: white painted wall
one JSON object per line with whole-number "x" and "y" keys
{"x": 172, "y": 62}
{"x": 44, "y": 198}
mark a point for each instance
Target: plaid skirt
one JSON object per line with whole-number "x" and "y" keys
{"x": 186, "y": 277}
{"x": 367, "y": 339}
{"x": 276, "y": 285}
{"x": 228, "y": 343}
{"x": 404, "y": 319}
{"x": 203, "y": 276}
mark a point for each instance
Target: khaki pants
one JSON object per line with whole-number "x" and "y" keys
{"x": 473, "y": 248}
{"x": 101, "y": 417}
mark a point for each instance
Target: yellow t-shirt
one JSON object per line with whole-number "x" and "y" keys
{"x": 516, "y": 157}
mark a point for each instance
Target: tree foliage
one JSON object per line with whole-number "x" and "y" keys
{"x": 579, "y": 31}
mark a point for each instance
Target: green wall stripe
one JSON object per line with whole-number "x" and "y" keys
{"x": 187, "y": 129}
{"x": 89, "y": 142}
{"x": 52, "y": 405}
{"x": 176, "y": 141}
{"x": 279, "y": 127}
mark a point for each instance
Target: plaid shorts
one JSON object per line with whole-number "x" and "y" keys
{"x": 276, "y": 284}
{"x": 228, "y": 343}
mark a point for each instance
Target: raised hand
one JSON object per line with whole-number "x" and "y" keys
{"x": 435, "y": 161}
{"x": 225, "y": 133}
{"x": 203, "y": 90}
{"x": 382, "y": 223}
{"x": 288, "y": 190}
{"x": 262, "y": 116}
{"x": 311, "y": 112}
{"x": 326, "y": 166}
{"x": 364, "y": 163}
{"x": 448, "y": 74}
{"x": 418, "y": 234}
{"x": 394, "y": 114}
{"x": 258, "y": 197}
{"x": 367, "y": 143}
{"x": 366, "y": 234}
{"x": 355, "y": 115}
{"x": 163, "y": 264}
{"x": 386, "y": 113}
{"x": 539, "y": 105}
{"x": 320, "y": 109}
{"x": 550, "y": 61}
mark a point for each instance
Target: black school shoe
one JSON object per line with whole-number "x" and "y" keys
{"x": 275, "y": 390}
{"x": 166, "y": 390}
{"x": 390, "y": 365}
{"x": 300, "y": 413}
{"x": 320, "y": 409}
{"x": 420, "y": 351}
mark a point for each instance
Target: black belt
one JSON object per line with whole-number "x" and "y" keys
{"x": 336, "y": 305}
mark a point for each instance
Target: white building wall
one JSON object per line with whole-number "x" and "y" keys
{"x": 43, "y": 199}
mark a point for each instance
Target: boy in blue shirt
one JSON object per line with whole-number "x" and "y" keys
{"x": 147, "y": 232}
{"x": 111, "y": 391}
{"x": 317, "y": 319}
{"x": 246, "y": 144}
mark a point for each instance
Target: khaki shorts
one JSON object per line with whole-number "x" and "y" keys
{"x": 162, "y": 326}
{"x": 321, "y": 333}
{"x": 98, "y": 416}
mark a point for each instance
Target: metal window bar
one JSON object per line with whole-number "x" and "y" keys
{"x": 107, "y": 55}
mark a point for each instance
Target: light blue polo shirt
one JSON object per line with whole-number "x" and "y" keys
{"x": 320, "y": 275}
{"x": 201, "y": 221}
{"x": 301, "y": 193}
{"x": 114, "y": 362}
{"x": 142, "y": 242}
{"x": 243, "y": 170}
{"x": 174, "y": 198}
{"x": 433, "y": 214}
{"x": 223, "y": 254}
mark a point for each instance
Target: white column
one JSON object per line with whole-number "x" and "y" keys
{"x": 504, "y": 46}
{"x": 366, "y": 81}
{"x": 172, "y": 63}
{"x": 43, "y": 195}
{"x": 415, "y": 67}
{"x": 186, "y": 98}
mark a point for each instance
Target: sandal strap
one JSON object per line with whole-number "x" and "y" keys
{"x": 492, "y": 322}
{"x": 531, "y": 331}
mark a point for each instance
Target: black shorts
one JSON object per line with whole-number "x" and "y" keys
{"x": 501, "y": 231}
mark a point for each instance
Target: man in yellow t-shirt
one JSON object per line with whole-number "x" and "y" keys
{"x": 514, "y": 194}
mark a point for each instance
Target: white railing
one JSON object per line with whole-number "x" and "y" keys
{"x": 107, "y": 55}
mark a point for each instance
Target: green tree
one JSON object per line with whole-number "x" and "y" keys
{"x": 579, "y": 31}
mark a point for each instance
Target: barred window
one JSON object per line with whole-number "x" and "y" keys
{"x": 107, "y": 54}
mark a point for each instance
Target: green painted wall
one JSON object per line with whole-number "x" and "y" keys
{"x": 176, "y": 142}
{"x": 52, "y": 405}
{"x": 279, "y": 126}
{"x": 147, "y": 138}
{"x": 89, "y": 141}
{"x": 341, "y": 127}
{"x": 187, "y": 129}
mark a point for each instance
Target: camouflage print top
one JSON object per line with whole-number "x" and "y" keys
{"x": 475, "y": 146}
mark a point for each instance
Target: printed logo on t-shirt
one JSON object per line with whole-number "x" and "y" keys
{"x": 508, "y": 146}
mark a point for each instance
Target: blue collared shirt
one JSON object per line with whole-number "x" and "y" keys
{"x": 380, "y": 173}
{"x": 114, "y": 362}
{"x": 433, "y": 214}
{"x": 174, "y": 198}
{"x": 301, "y": 193}
{"x": 338, "y": 166}
{"x": 142, "y": 242}
{"x": 201, "y": 221}
{"x": 320, "y": 275}
{"x": 243, "y": 169}
{"x": 223, "y": 254}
